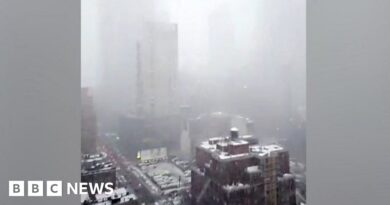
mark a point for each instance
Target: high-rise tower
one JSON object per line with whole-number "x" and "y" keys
{"x": 157, "y": 62}
{"x": 88, "y": 122}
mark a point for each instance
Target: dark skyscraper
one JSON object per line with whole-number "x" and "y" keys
{"x": 88, "y": 123}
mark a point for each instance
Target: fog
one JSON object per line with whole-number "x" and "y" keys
{"x": 242, "y": 57}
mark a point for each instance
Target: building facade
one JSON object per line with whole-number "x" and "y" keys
{"x": 237, "y": 170}
{"x": 98, "y": 169}
{"x": 88, "y": 122}
{"x": 156, "y": 75}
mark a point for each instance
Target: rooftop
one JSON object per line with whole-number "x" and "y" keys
{"x": 216, "y": 144}
{"x": 264, "y": 150}
{"x": 87, "y": 158}
{"x": 119, "y": 196}
{"x": 235, "y": 187}
{"x": 167, "y": 176}
{"x": 91, "y": 164}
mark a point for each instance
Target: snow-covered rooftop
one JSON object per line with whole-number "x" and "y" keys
{"x": 86, "y": 158}
{"x": 120, "y": 193}
{"x": 208, "y": 146}
{"x": 238, "y": 142}
{"x": 235, "y": 187}
{"x": 225, "y": 155}
{"x": 252, "y": 169}
{"x": 257, "y": 149}
{"x": 234, "y": 129}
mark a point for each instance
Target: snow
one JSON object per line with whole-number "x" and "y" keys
{"x": 252, "y": 169}
{"x": 235, "y": 187}
{"x": 256, "y": 150}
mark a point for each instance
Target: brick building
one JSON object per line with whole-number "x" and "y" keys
{"x": 237, "y": 170}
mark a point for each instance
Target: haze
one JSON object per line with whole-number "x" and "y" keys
{"x": 242, "y": 57}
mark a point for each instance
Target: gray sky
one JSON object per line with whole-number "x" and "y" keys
{"x": 258, "y": 25}
{"x": 252, "y": 49}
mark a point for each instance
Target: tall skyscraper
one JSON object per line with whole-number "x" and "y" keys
{"x": 237, "y": 170}
{"x": 154, "y": 119}
{"x": 185, "y": 140}
{"x": 157, "y": 62}
{"x": 88, "y": 122}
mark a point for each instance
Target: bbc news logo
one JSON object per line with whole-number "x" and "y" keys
{"x": 55, "y": 188}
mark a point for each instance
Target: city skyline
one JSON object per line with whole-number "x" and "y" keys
{"x": 194, "y": 102}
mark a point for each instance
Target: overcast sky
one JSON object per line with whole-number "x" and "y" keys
{"x": 252, "y": 49}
